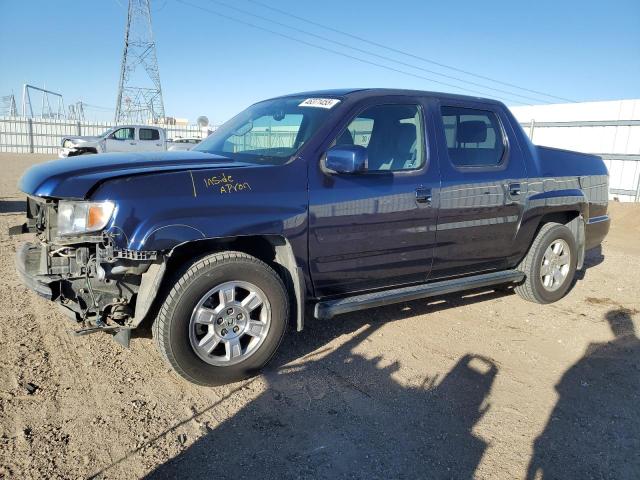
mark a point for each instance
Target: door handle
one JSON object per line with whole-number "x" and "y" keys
{"x": 132, "y": 143}
{"x": 423, "y": 195}
{"x": 514, "y": 189}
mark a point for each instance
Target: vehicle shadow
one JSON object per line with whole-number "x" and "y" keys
{"x": 13, "y": 206}
{"x": 337, "y": 413}
{"x": 594, "y": 429}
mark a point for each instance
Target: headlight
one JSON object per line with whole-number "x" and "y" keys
{"x": 83, "y": 217}
{"x": 68, "y": 144}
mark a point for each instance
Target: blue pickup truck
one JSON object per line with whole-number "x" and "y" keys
{"x": 336, "y": 200}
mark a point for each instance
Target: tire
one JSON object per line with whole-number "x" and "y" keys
{"x": 538, "y": 288}
{"x": 190, "y": 322}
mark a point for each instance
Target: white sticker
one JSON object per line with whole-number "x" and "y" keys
{"x": 320, "y": 102}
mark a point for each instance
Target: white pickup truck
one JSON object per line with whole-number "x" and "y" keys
{"x": 123, "y": 138}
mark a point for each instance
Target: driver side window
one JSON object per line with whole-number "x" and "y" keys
{"x": 123, "y": 134}
{"x": 392, "y": 135}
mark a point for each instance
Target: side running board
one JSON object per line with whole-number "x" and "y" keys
{"x": 330, "y": 308}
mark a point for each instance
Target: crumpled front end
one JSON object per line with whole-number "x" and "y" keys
{"x": 72, "y": 146}
{"x": 95, "y": 283}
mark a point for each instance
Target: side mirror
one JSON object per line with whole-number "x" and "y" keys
{"x": 347, "y": 159}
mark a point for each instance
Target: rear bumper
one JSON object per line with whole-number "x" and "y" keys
{"x": 28, "y": 266}
{"x": 595, "y": 231}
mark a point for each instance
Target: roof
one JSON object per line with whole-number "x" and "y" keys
{"x": 374, "y": 92}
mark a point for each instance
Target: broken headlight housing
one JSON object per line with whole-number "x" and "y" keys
{"x": 83, "y": 217}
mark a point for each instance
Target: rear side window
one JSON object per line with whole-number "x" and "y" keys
{"x": 474, "y": 137}
{"x": 392, "y": 135}
{"x": 149, "y": 134}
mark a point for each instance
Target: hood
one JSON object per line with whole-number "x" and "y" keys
{"x": 75, "y": 177}
{"x": 79, "y": 140}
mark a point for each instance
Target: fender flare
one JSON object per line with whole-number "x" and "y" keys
{"x": 153, "y": 278}
{"x": 572, "y": 201}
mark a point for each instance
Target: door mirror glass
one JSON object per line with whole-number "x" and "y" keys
{"x": 347, "y": 159}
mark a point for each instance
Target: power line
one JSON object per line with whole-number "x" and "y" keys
{"x": 408, "y": 54}
{"x": 97, "y": 107}
{"x": 336, "y": 52}
{"x": 383, "y": 57}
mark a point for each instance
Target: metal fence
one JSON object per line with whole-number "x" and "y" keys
{"x": 44, "y": 135}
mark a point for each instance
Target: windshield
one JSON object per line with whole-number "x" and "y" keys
{"x": 106, "y": 132}
{"x": 269, "y": 132}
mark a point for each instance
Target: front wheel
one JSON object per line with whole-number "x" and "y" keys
{"x": 549, "y": 266}
{"x": 223, "y": 320}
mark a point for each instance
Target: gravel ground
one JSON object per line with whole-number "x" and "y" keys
{"x": 483, "y": 385}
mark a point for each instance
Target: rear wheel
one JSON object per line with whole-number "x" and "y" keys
{"x": 549, "y": 266}
{"x": 223, "y": 320}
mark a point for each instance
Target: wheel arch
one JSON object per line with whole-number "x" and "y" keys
{"x": 566, "y": 207}
{"x": 274, "y": 250}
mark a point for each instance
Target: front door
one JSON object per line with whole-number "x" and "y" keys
{"x": 483, "y": 184}
{"x": 375, "y": 228}
{"x": 122, "y": 140}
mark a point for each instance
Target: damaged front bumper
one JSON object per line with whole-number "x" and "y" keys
{"x": 100, "y": 287}
{"x": 98, "y": 300}
{"x": 28, "y": 259}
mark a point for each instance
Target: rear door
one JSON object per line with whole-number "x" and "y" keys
{"x": 149, "y": 140}
{"x": 375, "y": 228}
{"x": 483, "y": 181}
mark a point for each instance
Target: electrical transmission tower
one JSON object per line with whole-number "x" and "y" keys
{"x": 76, "y": 111}
{"x": 139, "y": 93}
{"x": 8, "y": 106}
{"x": 46, "y": 111}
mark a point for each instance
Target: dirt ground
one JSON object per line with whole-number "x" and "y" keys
{"x": 483, "y": 385}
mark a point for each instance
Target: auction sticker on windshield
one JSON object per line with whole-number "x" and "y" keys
{"x": 320, "y": 102}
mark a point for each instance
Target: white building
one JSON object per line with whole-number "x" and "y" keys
{"x": 610, "y": 129}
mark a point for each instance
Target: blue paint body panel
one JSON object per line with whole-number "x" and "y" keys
{"x": 348, "y": 232}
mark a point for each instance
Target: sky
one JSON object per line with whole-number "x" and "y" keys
{"x": 210, "y": 65}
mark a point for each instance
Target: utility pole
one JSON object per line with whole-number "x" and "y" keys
{"x": 139, "y": 92}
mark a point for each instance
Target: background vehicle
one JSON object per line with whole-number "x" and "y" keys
{"x": 345, "y": 200}
{"x": 183, "y": 143}
{"x": 124, "y": 138}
